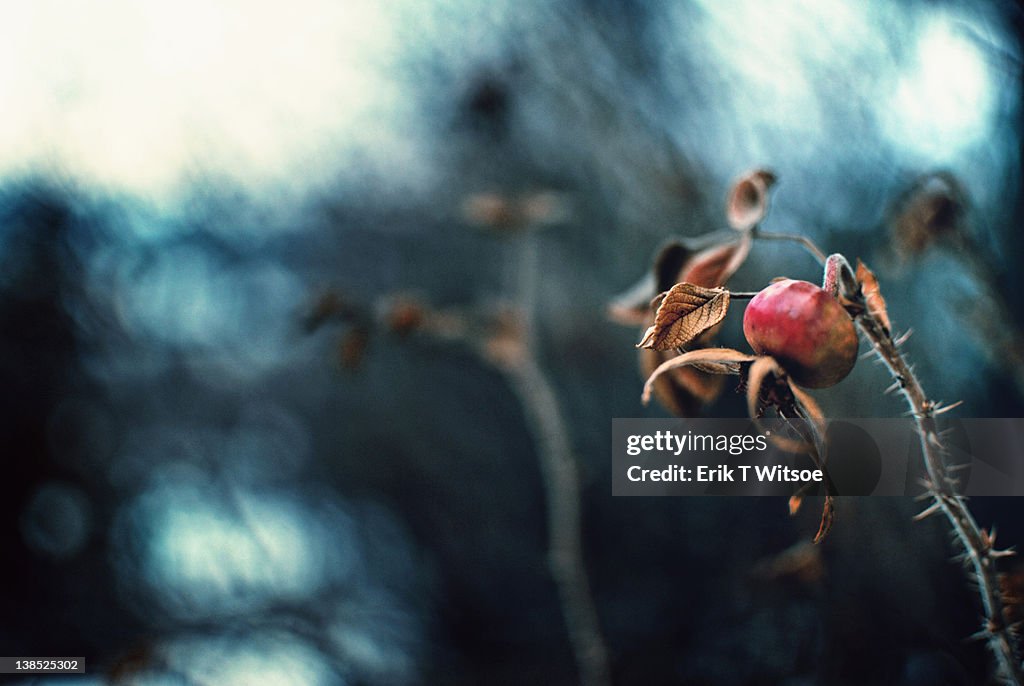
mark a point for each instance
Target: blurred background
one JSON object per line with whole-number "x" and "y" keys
{"x": 230, "y": 458}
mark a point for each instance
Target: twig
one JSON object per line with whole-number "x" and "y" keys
{"x": 795, "y": 238}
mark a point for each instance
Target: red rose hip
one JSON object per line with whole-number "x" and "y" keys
{"x": 805, "y": 329}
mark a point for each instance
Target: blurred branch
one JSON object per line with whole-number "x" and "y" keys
{"x": 561, "y": 480}
{"x": 512, "y": 350}
{"x": 505, "y": 340}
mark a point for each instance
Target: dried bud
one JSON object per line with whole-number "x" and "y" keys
{"x": 748, "y": 200}
{"x": 934, "y": 208}
{"x": 405, "y": 316}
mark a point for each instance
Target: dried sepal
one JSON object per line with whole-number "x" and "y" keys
{"x": 685, "y": 313}
{"x": 828, "y": 519}
{"x": 714, "y": 360}
{"x": 809, "y": 408}
{"x": 748, "y": 199}
{"x": 766, "y": 369}
{"x": 756, "y": 376}
{"x": 873, "y": 296}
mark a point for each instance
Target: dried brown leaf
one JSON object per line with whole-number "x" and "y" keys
{"x": 795, "y": 502}
{"x": 748, "y": 199}
{"x": 724, "y": 360}
{"x": 801, "y": 561}
{"x": 685, "y": 312}
{"x": 681, "y": 391}
{"x": 716, "y": 265}
{"x": 669, "y": 264}
{"x": 873, "y": 295}
{"x": 633, "y": 307}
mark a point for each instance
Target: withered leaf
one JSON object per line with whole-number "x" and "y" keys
{"x": 873, "y": 295}
{"x": 795, "y": 501}
{"x": 633, "y": 307}
{"x": 748, "y": 199}
{"x": 715, "y": 265}
{"x": 685, "y": 312}
{"x": 669, "y": 264}
{"x": 683, "y": 390}
{"x": 721, "y": 360}
{"x": 801, "y": 561}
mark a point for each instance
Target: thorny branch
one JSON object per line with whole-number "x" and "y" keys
{"x": 980, "y": 552}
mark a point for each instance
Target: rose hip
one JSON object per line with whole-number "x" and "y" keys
{"x": 805, "y": 329}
